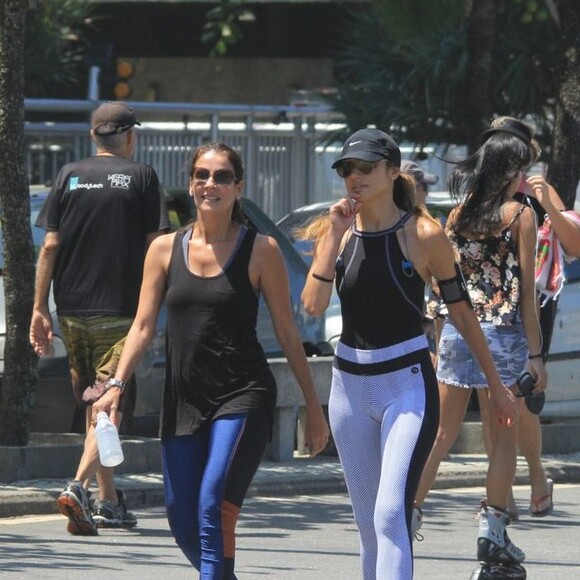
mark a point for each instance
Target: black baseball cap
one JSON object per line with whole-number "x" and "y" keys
{"x": 513, "y": 126}
{"x": 519, "y": 129}
{"x": 418, "y": 174}
{"x": 113, "y": 118}
{"x": 370, "y": 145}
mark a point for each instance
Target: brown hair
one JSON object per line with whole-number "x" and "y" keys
{"x": 236, "y": 161}
{"x": 404, "y": 192}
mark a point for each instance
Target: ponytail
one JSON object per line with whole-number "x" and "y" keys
{"x": 316, "y": 228}
{"x": 404, "y": 192}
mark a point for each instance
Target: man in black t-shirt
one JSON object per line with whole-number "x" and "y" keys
{"x": 100, "y": 216}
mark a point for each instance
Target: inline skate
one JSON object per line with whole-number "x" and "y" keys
{"x": 498, "y": 556}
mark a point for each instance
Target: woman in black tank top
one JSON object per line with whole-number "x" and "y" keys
{"x": 219, "y": 391}
{"x": 384, "y": 409}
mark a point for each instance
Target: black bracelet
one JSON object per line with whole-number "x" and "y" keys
{"x": 322, "y": 278}
{"x": 531, "y": 356}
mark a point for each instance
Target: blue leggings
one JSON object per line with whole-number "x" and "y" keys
{"x": 206, "y": 477}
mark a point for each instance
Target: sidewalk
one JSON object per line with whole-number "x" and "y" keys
{"x": 302, "y": 476}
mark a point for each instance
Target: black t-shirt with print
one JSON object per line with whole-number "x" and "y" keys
{"x": 102, "y": 208}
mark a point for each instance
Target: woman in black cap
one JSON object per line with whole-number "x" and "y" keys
{"x": 495, "y": 237}
{"x": 384, "y": 407}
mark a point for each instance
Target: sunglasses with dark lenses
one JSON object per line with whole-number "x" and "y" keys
{"x": 345, "y": 168}
{"x": 220, "y": 177}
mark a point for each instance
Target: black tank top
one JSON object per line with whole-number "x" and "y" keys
{"x": 215, "y": 364}
{"x": 381, "y": 294}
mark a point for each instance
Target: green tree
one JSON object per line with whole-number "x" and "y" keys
{"x": 223, "y": 27}
{"x": 17, "y": 390}
{"x": 480, "y": 39}
{"x": 40, "y": 52}
{"x": 439, "y": 78}
{"x": 55, "y": 49}
{"x": 564, "y": 169}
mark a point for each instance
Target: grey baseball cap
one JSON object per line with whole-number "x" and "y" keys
{"x": 418, "y": 173}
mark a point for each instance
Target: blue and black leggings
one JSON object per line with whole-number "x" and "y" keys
{"x": 206, "y": 477}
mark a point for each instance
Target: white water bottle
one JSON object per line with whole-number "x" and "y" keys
{"x": 108, "y": 442}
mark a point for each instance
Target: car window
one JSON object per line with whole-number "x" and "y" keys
{"x": 298, "y": 220}
{"x": 180, "y": 208}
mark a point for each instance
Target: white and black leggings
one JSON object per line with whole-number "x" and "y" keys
{"x": 384, "y": 414}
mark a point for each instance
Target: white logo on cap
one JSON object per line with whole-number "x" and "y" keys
{"x": 354, "y": 143}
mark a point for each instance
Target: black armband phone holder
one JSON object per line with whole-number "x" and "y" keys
{"x": 455, "y": 289}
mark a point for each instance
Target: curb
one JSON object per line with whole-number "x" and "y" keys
{"x": 299, "y": 477}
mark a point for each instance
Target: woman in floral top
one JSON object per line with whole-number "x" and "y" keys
{"x": 495, "y": 239}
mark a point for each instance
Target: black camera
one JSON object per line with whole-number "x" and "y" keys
{"x": 534, "y": 403}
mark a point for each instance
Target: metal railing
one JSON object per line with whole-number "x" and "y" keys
{"x": 283, "y": 147}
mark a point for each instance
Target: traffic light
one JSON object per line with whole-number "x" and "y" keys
{"x": 122, "y": 87}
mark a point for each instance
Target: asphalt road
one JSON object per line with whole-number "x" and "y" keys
{"x": 299, "y": 538}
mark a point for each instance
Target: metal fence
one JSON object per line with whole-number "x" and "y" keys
{"x": 284, "y": 151}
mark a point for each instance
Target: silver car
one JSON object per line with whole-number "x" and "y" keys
{"x": 54, "y": 408}
{"x": 563, "y": 361}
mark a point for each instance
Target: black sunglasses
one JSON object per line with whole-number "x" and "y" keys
{"x": 345, "y": 168}
{"x": 220, "y": 177}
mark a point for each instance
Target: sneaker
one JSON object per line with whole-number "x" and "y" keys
{"x": 416, "y": 523}
{"x": 73, "y": 502}
{"x": 106, "y": 515}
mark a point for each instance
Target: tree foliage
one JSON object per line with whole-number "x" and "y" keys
{"x": 54, "y": 51}
{"x": 564, "y": 169}
{"x": 223, "y": 27}
{"x": 409, "y": 85}
{"x": 416, "y": 77}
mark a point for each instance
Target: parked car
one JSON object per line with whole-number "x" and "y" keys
{"x": 563, "y": 361}
{"x": 289, "y": 225}
{"x": 54, "y": 408}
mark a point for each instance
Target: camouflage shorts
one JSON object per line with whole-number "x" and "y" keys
{"x": 458, "y": 367}
{"x": 94, "y": 346}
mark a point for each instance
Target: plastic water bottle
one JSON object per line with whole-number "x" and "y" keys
{"x": 108, "y": 442}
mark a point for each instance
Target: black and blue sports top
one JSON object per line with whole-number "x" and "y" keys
{"x": 381, "y": 294}
{"x": 215, "y": 364}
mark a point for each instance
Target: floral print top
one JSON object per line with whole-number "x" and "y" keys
{"x": 493, "y": 276}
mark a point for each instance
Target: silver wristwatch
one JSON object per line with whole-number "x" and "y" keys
{"x": 115, "y": 383}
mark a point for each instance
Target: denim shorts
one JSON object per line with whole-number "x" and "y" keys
{"x": 456, "y": 365}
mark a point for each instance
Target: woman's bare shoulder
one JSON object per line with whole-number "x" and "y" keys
{"x": 266, "y": 247}
{"x": 429, "y": 229}
{"x": 164, "y": 241}
{"x": 161, "y": 247}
